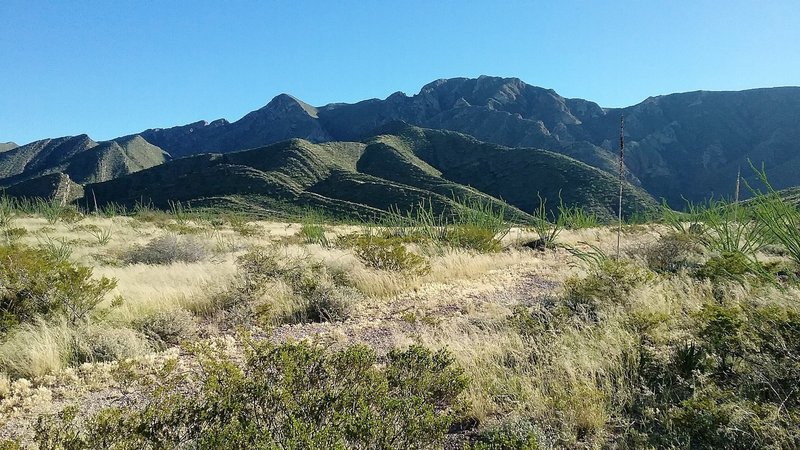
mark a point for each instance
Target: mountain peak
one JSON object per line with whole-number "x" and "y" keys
{"x": 5, "y": 146}
{"x": 286, "y": 102}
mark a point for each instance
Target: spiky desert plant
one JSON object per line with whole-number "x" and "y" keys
{"x": 621, "y": 177}
{"x": 778, "y": 216}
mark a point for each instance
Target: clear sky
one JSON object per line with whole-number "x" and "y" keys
{"x": 110, "y": 68}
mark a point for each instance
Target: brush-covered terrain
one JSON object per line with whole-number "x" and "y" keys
{"x": 198, "y": 329}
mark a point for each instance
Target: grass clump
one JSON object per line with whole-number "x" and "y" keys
{"x": 312, "y": 231}
{"x": 285, "y": 396}
{"x": 473, "y": 225}
{"x": 168, "y": 249}
{"x": 104, "y": 344}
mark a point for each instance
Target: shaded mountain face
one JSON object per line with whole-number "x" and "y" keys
{"x": 55, "y": 186}
{"x": 402, "y": 168}
{"x": 285, "y": 117}
{"x": 682, "y": 145}
{"x": 80, "y": 158}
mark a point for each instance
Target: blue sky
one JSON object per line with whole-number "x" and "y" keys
{"x": 109, "y": 68}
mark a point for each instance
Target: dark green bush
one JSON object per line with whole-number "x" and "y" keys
{"x": 729, "y": 266}
{"x": 286, "y": 396}
{"x": 734, "y": 386}
{"x": 516, "y": 435}
{"x": 388, "y": 254}
{"x": 473, "y": 237}
{"x": 34, "y": 283}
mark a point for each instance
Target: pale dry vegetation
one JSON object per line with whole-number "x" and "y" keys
{"x": 685, "y": 342}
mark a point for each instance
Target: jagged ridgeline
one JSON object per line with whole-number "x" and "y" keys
{"x": 355, "y": 159}
{"x": 401, "y": 167}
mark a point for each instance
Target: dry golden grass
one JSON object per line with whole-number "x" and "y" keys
{"x": 568, "y": 381}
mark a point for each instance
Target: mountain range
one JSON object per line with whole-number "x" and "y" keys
{"x": 497, "y": 137}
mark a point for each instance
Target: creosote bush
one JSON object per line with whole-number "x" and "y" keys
{"x": 35, "y": 283}
{"x": 388, "y": 254}
{"x": 284, "y": 396}
{"x": 168, "y": 249}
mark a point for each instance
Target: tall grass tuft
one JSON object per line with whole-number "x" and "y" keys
{"x": 7, "y": 211}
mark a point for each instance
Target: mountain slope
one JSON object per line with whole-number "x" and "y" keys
{"x": 682, "y": 145}
{"x": 688, "y": 145}
{"x": 79, "y": 157}
{"x": 400, "y": 168}
{"x": 693, "y": 144}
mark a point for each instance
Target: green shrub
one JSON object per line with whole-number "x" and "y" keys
{"x": 7, "y": 444}
{"x": 473, "y": 238}
{"x": 516, "y": 435}
{"x": 37, "y": 284}
{"x": 733, "y": 386}
{"x": 168, "y": 249}
{"x": 286, "y": 396}
{"x": 731, "y": 266}
{"x": 388, "y": 254}
{"x": 317, "y": 296}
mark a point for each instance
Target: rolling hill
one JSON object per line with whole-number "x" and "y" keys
{"x": 400, "y": 167}
{"x": 80, "y": 158}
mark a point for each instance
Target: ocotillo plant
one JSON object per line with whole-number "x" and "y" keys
{"x": 621, "y": 176}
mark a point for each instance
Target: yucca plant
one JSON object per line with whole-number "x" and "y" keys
{"x": 102, "y": 235}
{"x": 688, "y": 221}
{"x": 733, "y": 228}
{"x": 546, "y": 226}
{"x": 779, "y": 218}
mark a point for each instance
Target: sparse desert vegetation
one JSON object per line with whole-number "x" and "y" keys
{"x": 186, "y": 329}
